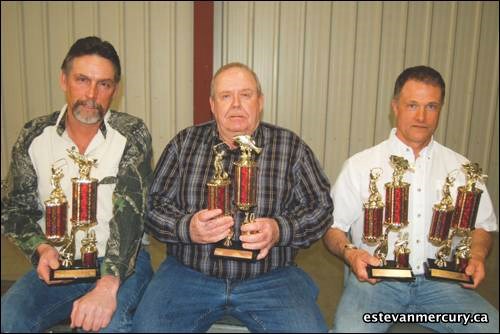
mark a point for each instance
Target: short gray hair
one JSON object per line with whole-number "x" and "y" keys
{"x": 234, "y": 65}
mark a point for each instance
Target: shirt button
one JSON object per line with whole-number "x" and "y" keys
{"x": 419, "y": 215}
{"x": 418, "y": 267}
{"x": 418, "y": 241}
{"x": 419, "y": 190}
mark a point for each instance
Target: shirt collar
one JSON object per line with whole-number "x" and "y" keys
{"x": 400, "y": 148}
{"x": 61, "y": 122}
{"x": 258, "y": 136}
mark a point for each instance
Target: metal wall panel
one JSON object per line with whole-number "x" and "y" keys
{"x": 153, "y": 39}
{"x": 328, "y": 69}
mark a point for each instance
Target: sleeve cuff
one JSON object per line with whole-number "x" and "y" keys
{"x": 108, "y": 268}
{"x": 286, "y": 231}
{"x": 183, "y": 229}
{"x": 31, "y": 252}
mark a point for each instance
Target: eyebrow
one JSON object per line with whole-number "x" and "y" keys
{"x": 98, "y": 80}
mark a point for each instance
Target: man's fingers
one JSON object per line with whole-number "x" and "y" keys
{"x": 205, "y": 215}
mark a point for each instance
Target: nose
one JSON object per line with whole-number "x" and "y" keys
{"x": 420, "y": 115}
{"x": 92, "y": 91}
{"x": 236, "y": 100}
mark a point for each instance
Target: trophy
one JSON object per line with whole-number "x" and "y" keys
{"x": 396, "y": 218}
{"x": 56, "y": 209}
{"x": 218, "y": 192}
{"x": 454, "y": 221}
{"x": 245, "y": 177}
{"x": 374, "y": 211}
{"x": 84, "y": 205}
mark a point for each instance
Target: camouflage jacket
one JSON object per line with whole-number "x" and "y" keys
{"x": 124, "y": 153}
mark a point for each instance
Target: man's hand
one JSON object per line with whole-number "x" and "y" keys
{"x": 209, "y": 226}
{"x": 261, "y": 234}
{"x": 48, "y": 259}
{"x": 358, "y": 260}
{"x": 475, "y": 268}
{"x": 94, "y": 310}
{"x": 480, "y": 247}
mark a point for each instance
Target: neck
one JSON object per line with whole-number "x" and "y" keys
{"x": 80, "y": 133}
{"x": 227, "y": 137}
{"x": 416, "y": 147}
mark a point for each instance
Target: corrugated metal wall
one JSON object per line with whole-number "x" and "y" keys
{"x": 328, "y": 69}
{"x": 153, "y": 40}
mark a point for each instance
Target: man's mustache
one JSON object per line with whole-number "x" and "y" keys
{"x": 89, "y": 104}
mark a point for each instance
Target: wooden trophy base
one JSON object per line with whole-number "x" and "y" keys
{"x": 448, "y": 273}
{"x": 234, "y": 252}
{"x": 75, "y": 273}
{"x": 389, "y": 271}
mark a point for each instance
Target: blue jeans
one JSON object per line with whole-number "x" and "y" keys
{"x": 30, "y": 305}
{"x": 421, "y": 296}
{"x": 180, "y": 299}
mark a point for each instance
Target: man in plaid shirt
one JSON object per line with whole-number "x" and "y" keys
{"x": 192, "y": 289}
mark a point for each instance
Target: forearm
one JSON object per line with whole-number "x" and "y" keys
{"x": 335, "y": 241}
{"x": 481, "y": 244}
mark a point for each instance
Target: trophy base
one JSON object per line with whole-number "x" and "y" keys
{"x": 75, "y": 273}
{"x": 390, "y": 271}
{"x": 432, "y": 271}
{"x": 234, "y": 252}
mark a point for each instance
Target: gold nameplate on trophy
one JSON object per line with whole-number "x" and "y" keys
{"x": 390, "y": 271}
{"x": 433, "y": 271}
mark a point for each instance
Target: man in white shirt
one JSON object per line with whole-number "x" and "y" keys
{"x": 418, "y": 98}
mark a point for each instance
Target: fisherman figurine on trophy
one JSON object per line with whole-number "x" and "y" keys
{"x": 451, "y": 221}
{"x": 396, "y": 219}
{"x": 245, "y": 177}
{"x": 84, "y": 205}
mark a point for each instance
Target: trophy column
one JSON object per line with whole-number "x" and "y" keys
{"x": 84, "y": 208}
{"x": 396, "y": 218}
{"x": 245, "y": 180}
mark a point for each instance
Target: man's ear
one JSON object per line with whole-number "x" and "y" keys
{"x": 394, "y": 107}
{"x": 63, "y": 81}
{"x": 212, "y": 104}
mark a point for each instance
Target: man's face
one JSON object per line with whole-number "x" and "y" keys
{"x": 417, "y": 113}
{"x": 89, "y": 88}
{"x": 236, "y": 105}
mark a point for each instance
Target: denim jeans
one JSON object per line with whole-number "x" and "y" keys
{"x": 30, "y": 305}
{"x": 421, "y": 296}
{"x": 180, "y": 299}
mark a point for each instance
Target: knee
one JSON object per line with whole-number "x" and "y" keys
{"x": 15, "y": 320}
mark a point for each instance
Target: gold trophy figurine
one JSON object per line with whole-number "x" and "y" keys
{"x": 245, "y": 178}
{"x": 84, "y": 209}
{"x": 462, "y": 254}
{"x": 396, "y": 218}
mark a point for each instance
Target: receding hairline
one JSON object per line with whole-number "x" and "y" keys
{"x": 235, "y": 65}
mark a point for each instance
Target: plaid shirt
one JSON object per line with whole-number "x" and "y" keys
{"x": 291, "y": 188}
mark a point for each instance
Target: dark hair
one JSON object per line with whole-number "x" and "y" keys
{"x": 421, "y": 73}
{"x": 92, "y": 45}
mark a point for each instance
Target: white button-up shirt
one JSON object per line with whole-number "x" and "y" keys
{"x": 426, "y": 183}
{"x": 49, "y": 148}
